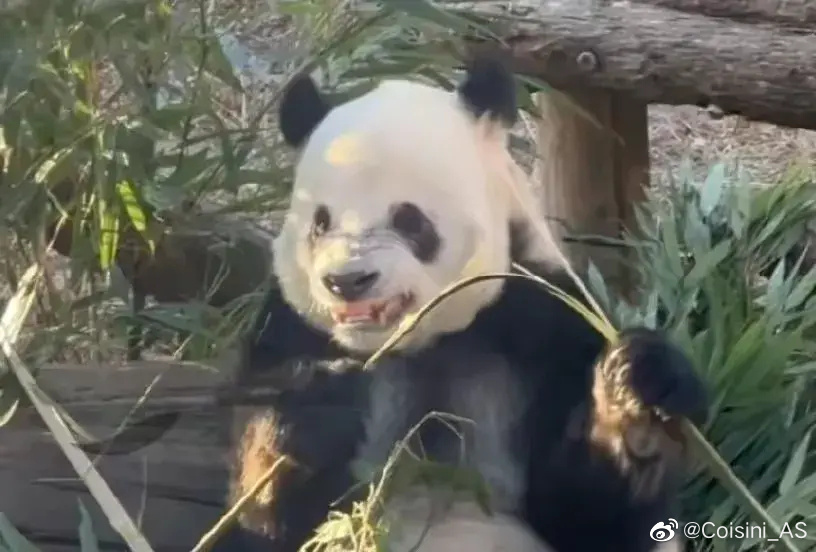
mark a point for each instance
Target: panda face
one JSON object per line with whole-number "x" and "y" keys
{"x": 374, "y": 235}
{"x": 397, "y": 195}
{"x": 355, "y": 274}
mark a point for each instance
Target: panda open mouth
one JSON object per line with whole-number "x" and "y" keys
{"x": 374, "y": 312}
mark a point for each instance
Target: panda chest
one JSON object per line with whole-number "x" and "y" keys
{"x": 456, "y": 407}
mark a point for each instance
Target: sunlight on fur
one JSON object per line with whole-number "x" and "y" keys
{"x": 258, "y": 454}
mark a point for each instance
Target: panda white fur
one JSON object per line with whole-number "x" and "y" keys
{"x": 398, "y": 194}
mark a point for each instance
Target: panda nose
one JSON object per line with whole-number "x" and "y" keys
{"x": 350, "y": 286}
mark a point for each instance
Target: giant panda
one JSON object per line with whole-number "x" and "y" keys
{"x": 398, "y": 194}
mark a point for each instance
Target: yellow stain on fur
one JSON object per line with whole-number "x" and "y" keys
{"x": 350, "y": 222}
{"x": 345, "y": 150}
{"x": 476, "y": 265}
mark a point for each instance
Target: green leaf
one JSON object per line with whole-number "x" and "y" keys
{"x": 696, "y": 232}
{"x": 134, "y": 210}
{"x": 672, "y": 246}
{"x": 87, "y": 538}
{"x": 794, "y": 469}
{"x": 13, "y": 538}
{"x": 650, "y": 316}
{"x": 771, "y": 227}
{"x": 188, "y": 317}
{"x": 220, "y": 66}
{"x": 597, "y": 285}
{"x": 109, "y": 234}
{"x": 745, "y": 348}
{"x": 712, "y": 189}
{"x": 20, "y": 73}
{"x": 775, "y": 293}
{"x": 8, "y": 407}
{"x": 803, "y": 289}
{"x": 170, "y": 118}
{"x": 56, "y": 167}
{"x": 708, "y": 262}
{"x": 10, "y": 394}
{"x": 189, "y": 169}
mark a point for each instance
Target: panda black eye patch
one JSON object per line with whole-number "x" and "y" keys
{"x": 321, "y": 221}
{"x": 414, "y": 226}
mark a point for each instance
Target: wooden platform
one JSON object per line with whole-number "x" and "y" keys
{"x": 172, "y": 488}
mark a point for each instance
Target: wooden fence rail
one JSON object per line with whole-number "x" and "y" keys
{"x": 174, "y": 488}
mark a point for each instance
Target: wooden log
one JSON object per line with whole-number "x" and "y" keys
{"x": 657, "y": 55}
{"x": 173, "y": 488}
{"x": 212, "y": 257}
{"x": 593, "y": 151}
{"x": 793, "y": 14}
{"x": 215, "y": 258}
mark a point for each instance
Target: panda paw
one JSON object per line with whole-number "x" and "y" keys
{"x": 661, "y": 376}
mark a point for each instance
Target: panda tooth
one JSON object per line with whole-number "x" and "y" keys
{"x": 382, "y": 312}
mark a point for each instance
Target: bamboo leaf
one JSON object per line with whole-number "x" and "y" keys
{"x": 596, "y": 283}
{"x": 170, "y": 118}
{"x": 712, "y": 189}
{"x": 190, "y": 168}
{"x": 220, "y": 66}
{"x": 794, "y": 469}
{"x": 135, "y": 211}
{"x": 708, "y": 262}
{"x": 55, "y": 168}
{"x": 13, "y": 538}
{"x": 10, "y": 394}
{"x": 669, "y": 235}
{"x": 87, "y": 538}
{"x": 802, "y": 290}
{"x": 109, "y": 234}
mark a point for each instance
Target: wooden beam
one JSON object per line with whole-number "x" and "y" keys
{"x": 793, "y": 14}
{"x": 593, "y": 151}
{"x": 173, "y": 488}
{"x": 658, "y": 55}
{"x": 205, "y": 255}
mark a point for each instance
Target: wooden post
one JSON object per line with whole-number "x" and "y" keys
{"x": 593, "y": 151}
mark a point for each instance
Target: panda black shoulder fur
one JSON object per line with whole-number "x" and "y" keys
{"x": 398, "y": 194}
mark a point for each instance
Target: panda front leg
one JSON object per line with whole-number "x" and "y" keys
{"x": 643, "y": 385}
{"x": 312, "y": 434}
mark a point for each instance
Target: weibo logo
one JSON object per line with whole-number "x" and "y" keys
{"x": 662, "y": 532}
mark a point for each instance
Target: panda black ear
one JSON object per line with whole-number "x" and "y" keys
{"x": 301, "y": 109}
{"x": 490, "y": 88}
